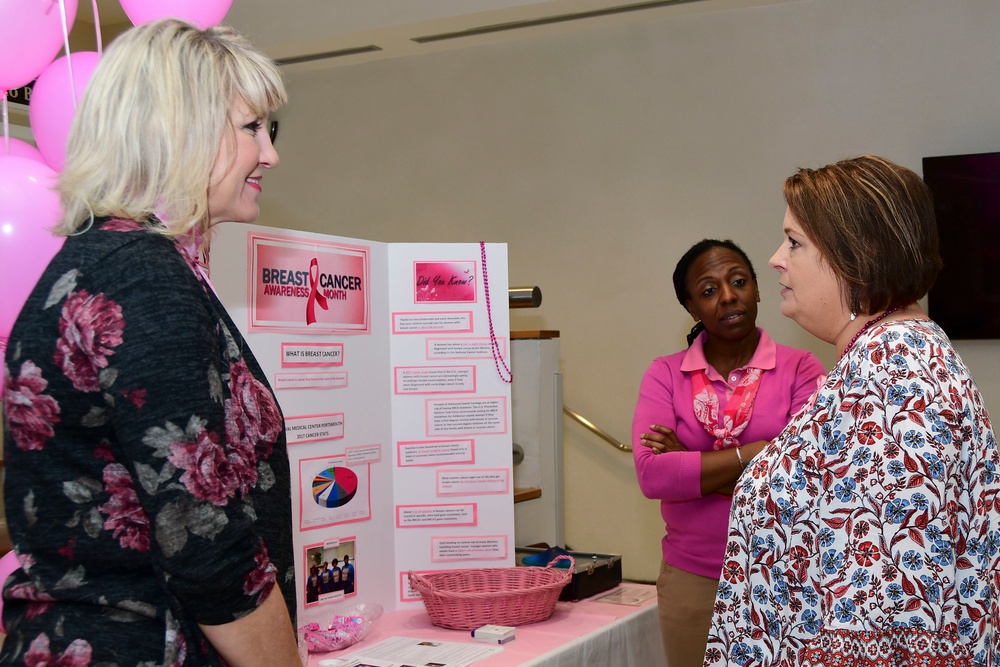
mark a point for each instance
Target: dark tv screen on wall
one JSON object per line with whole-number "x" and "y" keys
{"x": 965, "y": 300}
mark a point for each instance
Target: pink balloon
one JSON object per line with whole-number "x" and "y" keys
{"x": 52, "y": 108}
{"x": 20, "y": 149}
{"x": 29, "y": 206}
{"x": 8, "y": 564}
{"x": 202, "y": 13}
{"x": 31, "y": 35}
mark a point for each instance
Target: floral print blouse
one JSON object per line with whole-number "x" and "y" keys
{"x": 868, "y": 532}
{"x": 147, "y": 481}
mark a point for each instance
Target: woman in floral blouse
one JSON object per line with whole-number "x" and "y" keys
{"x": 147, "y": 482}
{"x": 867, "y": 533}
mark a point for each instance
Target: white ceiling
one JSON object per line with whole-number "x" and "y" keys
{"x": 336, "y": 32}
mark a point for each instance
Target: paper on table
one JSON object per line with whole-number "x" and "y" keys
{"x": 627, "y": 595}
{"x": 406, "y": 652}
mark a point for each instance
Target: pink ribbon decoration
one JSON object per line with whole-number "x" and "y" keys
{"x": 314, "y": 295}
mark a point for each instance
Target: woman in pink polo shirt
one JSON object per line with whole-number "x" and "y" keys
{"x": 702, "y": 415}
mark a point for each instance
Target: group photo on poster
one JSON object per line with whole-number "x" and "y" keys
{"x": 331, "y": 571}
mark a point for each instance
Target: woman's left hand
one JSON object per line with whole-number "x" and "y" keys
{"x": 662, "y": 440}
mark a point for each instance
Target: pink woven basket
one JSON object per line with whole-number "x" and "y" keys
{"x": 467, "y": 599}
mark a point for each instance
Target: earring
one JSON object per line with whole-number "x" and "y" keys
{"x": 854, "y": 316}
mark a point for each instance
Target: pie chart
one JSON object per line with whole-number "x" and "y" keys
{"x": 334, "y": 487}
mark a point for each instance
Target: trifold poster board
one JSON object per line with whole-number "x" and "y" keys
{"x": 391, "y": 372}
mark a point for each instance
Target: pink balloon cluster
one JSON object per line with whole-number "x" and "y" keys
{"x": 31, "y": 34}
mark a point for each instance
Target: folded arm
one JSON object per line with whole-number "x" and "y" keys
{"x": 719, "y": 469}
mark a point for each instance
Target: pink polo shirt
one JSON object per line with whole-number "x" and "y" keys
{"x": 697, "y": 525}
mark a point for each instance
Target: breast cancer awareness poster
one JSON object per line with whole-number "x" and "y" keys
{"x": 308, "y": 286}
{"x": 386, "y": 361}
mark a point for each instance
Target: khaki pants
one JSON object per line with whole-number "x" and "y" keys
{"x": 686, "y": 601}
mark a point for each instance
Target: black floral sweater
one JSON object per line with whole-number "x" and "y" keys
{"x": 147, "y": 479}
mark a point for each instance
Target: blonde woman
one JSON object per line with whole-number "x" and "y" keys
{"x": 147, "y": 482}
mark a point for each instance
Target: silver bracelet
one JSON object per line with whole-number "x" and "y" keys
{"x": 740, "y": 457}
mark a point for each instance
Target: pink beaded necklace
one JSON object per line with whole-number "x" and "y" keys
{"x": 868, "y": 325}
{"x": 494, "y": 343}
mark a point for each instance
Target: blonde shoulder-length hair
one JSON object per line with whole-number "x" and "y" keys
{"x": 149, "y": 127}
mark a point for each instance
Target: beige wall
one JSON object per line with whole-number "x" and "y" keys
{"x": 600, "y": 155}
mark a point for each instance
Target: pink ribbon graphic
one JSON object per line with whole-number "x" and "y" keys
{"x": 314, "y": 295}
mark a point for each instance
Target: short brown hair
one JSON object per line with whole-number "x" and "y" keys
{"x": 873, "y": 221}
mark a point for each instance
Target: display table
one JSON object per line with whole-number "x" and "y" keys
{"x": 577, "y": 633}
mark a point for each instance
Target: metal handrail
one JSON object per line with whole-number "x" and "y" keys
{"x": 597, "y": 430}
